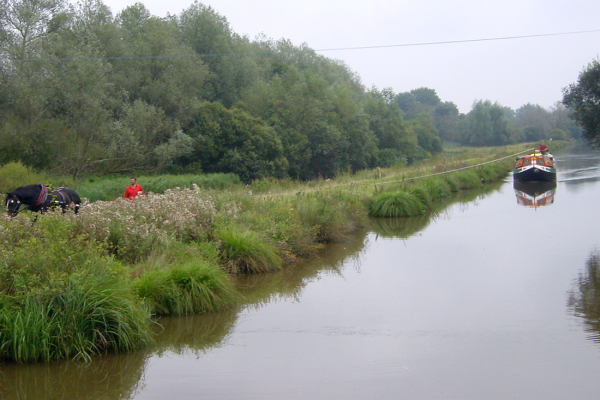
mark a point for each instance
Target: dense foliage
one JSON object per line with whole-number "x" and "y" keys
{"x": 584, "y": 99}
{"x": 85, "y": 92}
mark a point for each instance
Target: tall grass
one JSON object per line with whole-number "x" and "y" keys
{"x": 329, "y": 216}
{"x": 246, "y": 252}
{"x": 91, "y": 313}
{"x": 396, "y": 204}
{"x": 438, "y": 188}
{"x": 62, "y": 297}
{"x": 191, "y": 288}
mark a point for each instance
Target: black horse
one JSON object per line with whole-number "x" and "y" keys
{"x": 39, "y": 197}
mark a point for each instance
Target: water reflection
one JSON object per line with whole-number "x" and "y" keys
{"x": 117, "y": 376}
{"x": 585, "y": 300}
{"x": 289, "y": 282}
{"x": 400, "y": 228}
{"x": 195, "y": 334}
{"x": 403, "y": 228}
{"x": 108, "y": 377}
{"x": 534, "y": 194}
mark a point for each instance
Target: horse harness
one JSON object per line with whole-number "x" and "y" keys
{"x": 60, "y": 198}
{"x": 42, "y": 197}
{"x": 49, "y": 198}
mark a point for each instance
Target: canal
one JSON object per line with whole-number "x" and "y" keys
{"x": 497, "y": 296}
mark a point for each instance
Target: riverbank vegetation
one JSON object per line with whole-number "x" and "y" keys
{"x": 72, "y": 286}
{"x": 254, "y": 155}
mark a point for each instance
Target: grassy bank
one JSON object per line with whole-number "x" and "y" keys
{"x": 74, "y": 286}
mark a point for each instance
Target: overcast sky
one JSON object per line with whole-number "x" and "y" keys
{"x": 510, "y": 72}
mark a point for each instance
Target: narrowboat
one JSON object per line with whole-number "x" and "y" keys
{"x": 535, "y": 167}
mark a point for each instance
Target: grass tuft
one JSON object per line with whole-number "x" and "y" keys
{"x": 192, "y": 288}
{"x": 396, "y": 204}
{"x": 246, "y": 252}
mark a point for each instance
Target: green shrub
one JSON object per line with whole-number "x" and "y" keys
{"x": 174, "y": 252}
{"x": 396, "y": 204}
{"x": 61, "y": 297}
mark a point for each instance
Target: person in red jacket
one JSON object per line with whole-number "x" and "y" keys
{"x": 133, "y": 190}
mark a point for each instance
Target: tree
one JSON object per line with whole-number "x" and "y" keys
{"x": 396, "y": 143}
{"x": 427, "y": 134}
{"x": 155, "y": 65}
{"x": 533, "y": 121}
{"x": 408, "y": 104}
{"x": 208, "y": 34}
{"x": 486, "y": 125}
{"x": 231, "y": 140}
{"x": 426, "y": 96}
{"x": 562, "y": 121}
{"x": 583, "y": 99}
{"x": 446, "y": 120}
{"x": 24, "y": 22}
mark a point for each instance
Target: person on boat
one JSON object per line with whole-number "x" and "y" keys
{"x": 133, "y": 190}
{"x": 546, "y": 154}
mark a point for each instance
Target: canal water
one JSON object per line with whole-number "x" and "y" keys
{"x": 497, "y": 296}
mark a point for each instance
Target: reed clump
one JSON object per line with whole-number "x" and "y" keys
{"x": 191, "y": 288}
{"x": 437, "y": 188}
{"x": 244, "y": 251}
{"x": 396, "y": 204}
{"x": 329, "y": 216}
{"x": 61, "y": 297}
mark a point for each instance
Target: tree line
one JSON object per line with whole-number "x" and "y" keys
{"x": 83, "y": 91}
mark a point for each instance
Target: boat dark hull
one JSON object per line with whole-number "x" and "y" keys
{"x": 534, "y": 175}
